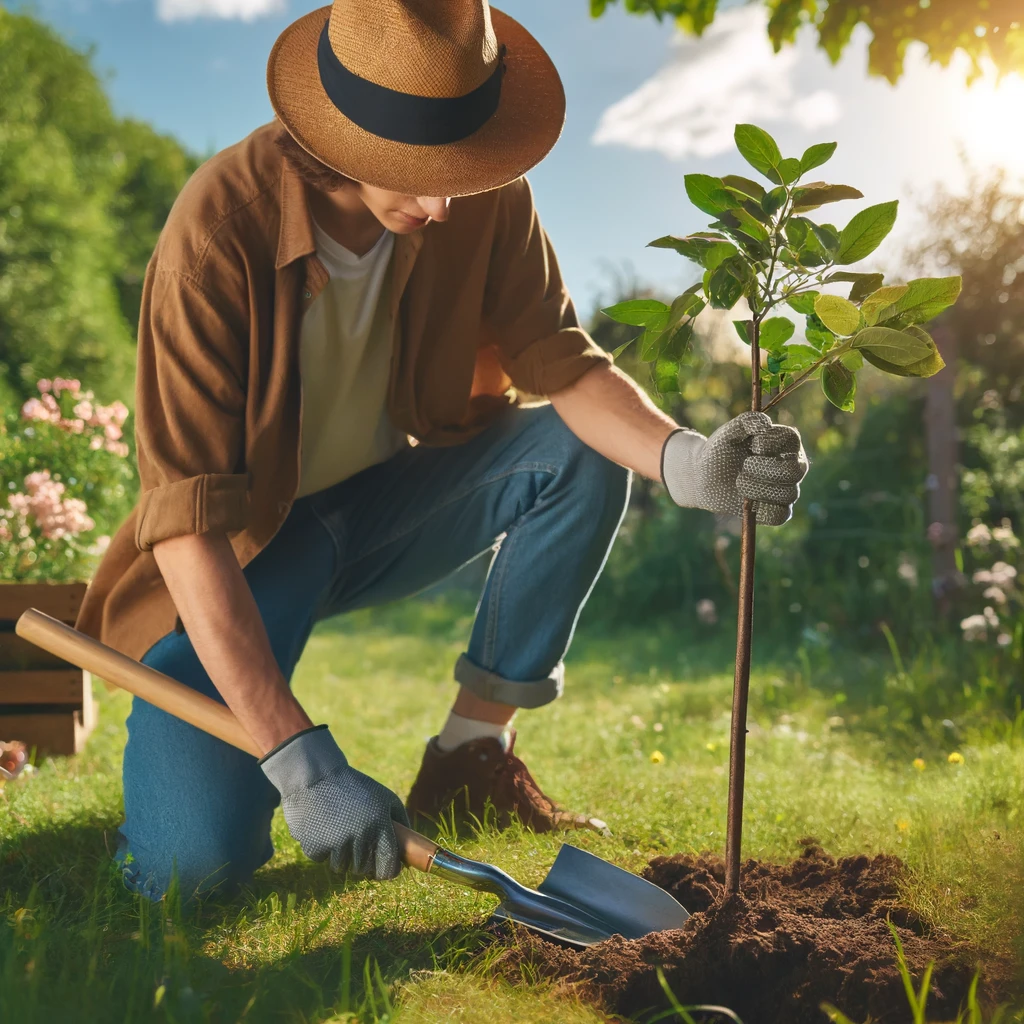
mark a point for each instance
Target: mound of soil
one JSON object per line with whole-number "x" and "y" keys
{"x": 798, "y": 934}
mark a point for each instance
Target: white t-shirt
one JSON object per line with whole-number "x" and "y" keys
{"x": 345, "y": 350}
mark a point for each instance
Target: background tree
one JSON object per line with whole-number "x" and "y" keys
{"x": 981, "y": 28}
{"x": 83, "y": 196}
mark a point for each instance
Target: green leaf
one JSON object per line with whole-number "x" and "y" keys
{"x": 799, "y": 357}
{"x": 616, "y": 352}
{"x": 896, "y": 347}
{"x": 718, "y": 254}
{"x": 852, "y": 360}
{"x": 743, "y": 329}
{"x": 839, "y": 315}
{"x": 707, "y": 193}
{"x": 789, "y": 170}
{"x": 803, "y": 303}
{"x": 666, "y": 376}
{"x": 839, "y": 385}
{"x": 637, "y": 312}
{"x": 863, "y": 235}
{"x": 818, "y": 193}
{"x": 774, "y": 364}
{"x": 863, "y": 284}
{"x": 797, "y": 230}
{"x": 878, "y": 300}
{"x": 678, "y": 341}
{"x": 650, "y": 342}
{"x": 746, "y": 186}
{"x": 687, "y": 304}
{"x": 817, "y": 334}
{"x": 827, "y": 236}
{"x": 757, "y": 147}
{"x": 726, "y": 284}
{"x": 773, "y": 201}
{"x": 924, "y": 299}
{"x": 741, "y": 221}
{"x": 775, "y": 332}
{"x": 815, "y": 156}
{"x": 926, "y": 367}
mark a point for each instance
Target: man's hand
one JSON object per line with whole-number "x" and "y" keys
{"x": 334, "y": 812}
{"x": 748, "y": 457}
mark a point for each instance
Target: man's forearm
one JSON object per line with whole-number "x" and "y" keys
{"x": 610, "y": 412}
{"x": 220, "y": 615}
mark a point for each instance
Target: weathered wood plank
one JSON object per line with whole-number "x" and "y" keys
{"x": 61, "y": 600}
{"x": 19, "y": 653}
{"x": 62, "y": 733}
{"x": 58, "y": 686}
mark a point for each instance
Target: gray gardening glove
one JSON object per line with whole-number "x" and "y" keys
{"x": 332, "y": 810}
{"x": 748, "y": 457}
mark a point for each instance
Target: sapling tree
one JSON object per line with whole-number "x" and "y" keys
{"x": 764, "y": 248}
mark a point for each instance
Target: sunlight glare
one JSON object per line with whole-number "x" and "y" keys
{"x": 989, "y": 119}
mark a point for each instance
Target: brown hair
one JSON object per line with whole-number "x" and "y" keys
{"x": 311, "y": 170}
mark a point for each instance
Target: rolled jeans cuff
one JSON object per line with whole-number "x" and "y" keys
{"x": 490, "y": 686}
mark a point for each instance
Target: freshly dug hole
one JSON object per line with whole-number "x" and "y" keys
{"x": 799, "y": 934}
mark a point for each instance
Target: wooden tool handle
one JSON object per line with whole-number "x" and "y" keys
{"x": 173, "y": 697}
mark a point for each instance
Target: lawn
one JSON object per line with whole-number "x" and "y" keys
{"x": 640, "y": 740}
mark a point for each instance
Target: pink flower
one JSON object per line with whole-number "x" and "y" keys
{"x": 117, "y": 448}
{"x": 5, "y": 533}
{"x": 95, "y": 442}
{"x": 33, "y": 409}
{"x": 112, "y": 432}
{"x": 120, "y": 411}
{"x": 83, "y": 410}
{"x": 44, "y": 385}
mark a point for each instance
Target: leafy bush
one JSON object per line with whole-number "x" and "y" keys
{"x": 67, "y": 481}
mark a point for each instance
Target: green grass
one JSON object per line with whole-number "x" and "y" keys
{"x": 299, "y": 946}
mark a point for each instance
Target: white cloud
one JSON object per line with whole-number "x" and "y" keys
{"x": 246, "y": 10}
{"x": 731, "y": 75}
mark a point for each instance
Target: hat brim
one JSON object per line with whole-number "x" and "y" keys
{"x": 516, "y": 137}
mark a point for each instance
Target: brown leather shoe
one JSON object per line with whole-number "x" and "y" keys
{"x": 482, "y": 771}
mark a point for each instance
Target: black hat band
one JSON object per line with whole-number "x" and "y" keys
{"x": 401, "y": 116}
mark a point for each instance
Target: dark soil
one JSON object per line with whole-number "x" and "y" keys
{"x": 798, "y": 934}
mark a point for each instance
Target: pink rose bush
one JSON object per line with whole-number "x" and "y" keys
{"x": 66, "y": 481}
{"x": 102, "y": 423}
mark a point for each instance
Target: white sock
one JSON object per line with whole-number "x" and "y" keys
{"x": 458, "y": 730}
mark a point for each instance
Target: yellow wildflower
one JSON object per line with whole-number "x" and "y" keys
{"x": 903, "y": 824}
{"x": 657, "y": 757}
{"x": 711, "y": 746}
{"x": 955, "y": 758}
{"x": 918, "y": 763}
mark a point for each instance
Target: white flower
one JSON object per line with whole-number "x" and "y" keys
{"x": 979, "y": 535}
{"x": 907, "y": 570}
{"x": 1004, "y": 639}
{"x": 975, "y": 627}
{"x": 990, "y": 616}
{"x": 1003, "y": 573}
{"x": 995, "y": 594}
{"x": 707, "y": 613}
{"x": 1004, "y": 535}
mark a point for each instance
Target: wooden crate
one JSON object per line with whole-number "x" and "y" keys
{"x": 44, "y": 701}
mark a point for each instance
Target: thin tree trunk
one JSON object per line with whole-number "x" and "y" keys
{"x": 741, "y": 679}
{"x": 940, "y": 430}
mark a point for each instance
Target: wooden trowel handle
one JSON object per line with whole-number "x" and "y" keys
{"x": 173, "y": 697}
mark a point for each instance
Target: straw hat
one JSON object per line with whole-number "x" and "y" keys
{"x": 423, "y": 97}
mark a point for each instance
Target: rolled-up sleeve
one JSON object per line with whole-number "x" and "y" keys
{"x": 189, "y": 410}
{"x": 540, "y": 343}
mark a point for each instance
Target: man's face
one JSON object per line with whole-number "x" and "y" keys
{"x": 400, "y": 213}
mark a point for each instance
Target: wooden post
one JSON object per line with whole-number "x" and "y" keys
{"x": 741, "y": 679}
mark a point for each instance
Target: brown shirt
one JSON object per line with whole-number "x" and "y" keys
{"x": 480, "y": 309}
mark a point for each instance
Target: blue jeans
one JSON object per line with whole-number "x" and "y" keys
{"x": 196, "y": 806}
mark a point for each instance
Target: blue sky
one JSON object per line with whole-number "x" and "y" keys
{"x": 645, "y": 106}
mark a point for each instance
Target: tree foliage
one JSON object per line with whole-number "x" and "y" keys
{"x": 765, "y": 249}
{"x": 83, "y": 196}
{"x": 992, "y": 29}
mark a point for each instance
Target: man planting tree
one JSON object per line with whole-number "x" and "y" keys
{"x": 337, "y": 321}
